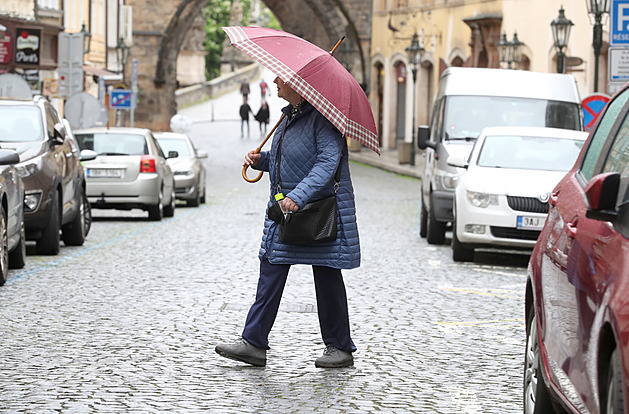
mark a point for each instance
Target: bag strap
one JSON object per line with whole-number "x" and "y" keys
{"x": 337, "y": 175}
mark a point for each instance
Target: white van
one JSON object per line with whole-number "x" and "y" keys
{"x": 470, "y": 99}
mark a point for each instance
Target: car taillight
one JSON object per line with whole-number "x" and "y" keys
{"x": 147, "y": 164}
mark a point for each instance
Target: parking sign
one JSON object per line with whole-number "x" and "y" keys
{"x": 619, "y": 23}
{"x": 120, "y": 99}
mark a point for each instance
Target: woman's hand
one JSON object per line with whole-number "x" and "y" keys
{"x": 251, "y": 159}
{"x": 289, "y": 205}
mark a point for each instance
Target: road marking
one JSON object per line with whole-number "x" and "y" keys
{"x": 465, "y": 400}
{"x": 501, "y": 293}
{"x": 494, "y": 322}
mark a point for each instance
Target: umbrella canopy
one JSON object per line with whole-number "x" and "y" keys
{"x": 315, "y": 74}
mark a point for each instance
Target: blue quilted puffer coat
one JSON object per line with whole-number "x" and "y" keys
{"x": 311, "y": 150}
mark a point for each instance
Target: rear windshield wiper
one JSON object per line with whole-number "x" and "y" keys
{"x": 112, "y": 153}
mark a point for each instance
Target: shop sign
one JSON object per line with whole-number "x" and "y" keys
{"x": 6, "y": 49}
{"x": 27, "y": 45}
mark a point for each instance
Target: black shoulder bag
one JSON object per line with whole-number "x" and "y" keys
{"x": 314, "y": 223}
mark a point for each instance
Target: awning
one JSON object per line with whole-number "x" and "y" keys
{"x": 103, "y": 73}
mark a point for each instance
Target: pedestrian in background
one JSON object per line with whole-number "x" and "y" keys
{"x": 244, "y": 89}
{"x": 311, "y": 151}
{"x": 245, "y": 109}
{"x": 263, "y": 116}
{"x": 263, "y": 87}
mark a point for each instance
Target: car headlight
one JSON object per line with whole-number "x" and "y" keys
{"x": 482, "y": 200}
{"x": 29, "y": 168}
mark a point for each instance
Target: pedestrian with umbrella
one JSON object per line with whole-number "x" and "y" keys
{"x": 308, "y": 161}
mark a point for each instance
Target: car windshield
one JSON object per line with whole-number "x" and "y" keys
{"x": 20, "y": 124}
{"x": 466, "y": 116}
{"x": 529, "y": 153}
{"x": 175, "y": 144}
{"x": 113, "y": 144}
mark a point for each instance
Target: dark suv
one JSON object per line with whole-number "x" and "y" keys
{"x": 54, "y": 182}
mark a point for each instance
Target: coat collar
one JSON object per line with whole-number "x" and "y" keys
{"x": 305, "y": 109}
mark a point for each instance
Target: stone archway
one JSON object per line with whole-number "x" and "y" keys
{"x": 160, "y": 31}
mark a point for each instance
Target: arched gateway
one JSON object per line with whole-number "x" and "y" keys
{"x": 160, "y": 31}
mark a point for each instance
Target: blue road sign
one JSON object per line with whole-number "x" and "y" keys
{"x": 619, "y": 23}
{"x": 120, "y": 99}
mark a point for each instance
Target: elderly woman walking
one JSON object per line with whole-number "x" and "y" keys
{"x": 311, "y": 150}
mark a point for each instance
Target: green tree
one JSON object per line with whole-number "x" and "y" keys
{"x": 216, "y": 14}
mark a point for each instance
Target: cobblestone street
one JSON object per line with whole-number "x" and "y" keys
{"x": 128, "y": 322}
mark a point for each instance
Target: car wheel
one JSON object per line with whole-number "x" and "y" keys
{"x": 436, "y": 230}
{"x": 203, "y": 196}
{"x": 196, "y": 200}
{"x": 460, "y": 251}
{"x": 613, "y": 402}
{"x": 17, "y": 257}
{"x": 536, "y": 398}
{"x": 156, "y": 212}
{"x": 4, "y": 247}
{"x": 169, "y": 210}
{"x": 48, "y": 243}
{"x": 423, "y": 221}
{"x": 73, "y": 233}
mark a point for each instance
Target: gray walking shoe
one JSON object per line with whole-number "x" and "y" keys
{"x": 334, "y": 358}
{"x": 243, "y": 351}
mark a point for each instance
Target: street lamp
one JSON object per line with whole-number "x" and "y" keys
{"x": 415, "y": 52}
{"x": 122, "y": 53}
{"x": 87, "y": 39}
{"x": 561, "y": 33}
{"x": 597, "y": 8}
{"x": 509, "y": 51}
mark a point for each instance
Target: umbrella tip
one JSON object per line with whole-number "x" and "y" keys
{"x": 337, "y": 45}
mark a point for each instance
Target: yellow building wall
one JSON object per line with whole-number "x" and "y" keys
{"x": 447, "y": 39}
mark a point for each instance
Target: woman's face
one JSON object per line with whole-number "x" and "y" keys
{"x": 286, "y": 92}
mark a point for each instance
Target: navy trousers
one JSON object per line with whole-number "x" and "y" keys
{"x": 331, "y": 306}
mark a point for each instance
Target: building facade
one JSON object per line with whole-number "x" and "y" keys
{"x": 466, "y": 33}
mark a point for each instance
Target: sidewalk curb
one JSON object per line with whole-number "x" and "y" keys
{"x": 388, "y": 160}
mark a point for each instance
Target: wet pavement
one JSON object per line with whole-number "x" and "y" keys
{"x": 128, "y": 322}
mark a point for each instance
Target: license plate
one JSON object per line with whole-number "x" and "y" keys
{"x": 530, "y": 223}
{"x": 104, "y": 172}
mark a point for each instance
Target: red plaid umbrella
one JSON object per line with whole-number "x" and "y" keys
{"x": 315, "y": 74}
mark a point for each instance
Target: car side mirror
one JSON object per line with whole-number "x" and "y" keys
{"x": 60, "y": 134}
{"x": 457, "y": 161}
{"x": 8, "y": 157}
{"x": 88, "y": 155}
{"x": 601, "y": 193}
{"x": 201, "y": 154}
{"x": 172, "y": 154}
{"x": 423, "y": 138}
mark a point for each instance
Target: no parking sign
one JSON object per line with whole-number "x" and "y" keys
{"x": 593, "y": 105}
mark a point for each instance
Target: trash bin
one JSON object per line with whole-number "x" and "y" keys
{"x": 404, "y": 152}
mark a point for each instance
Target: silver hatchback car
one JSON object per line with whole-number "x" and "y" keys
{"x": 130, "y": 171}
{"x": 187, "y": 167}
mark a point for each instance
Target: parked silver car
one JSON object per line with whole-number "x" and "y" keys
{"x": 187, "y": 166}
{"x": 130, "y": 171}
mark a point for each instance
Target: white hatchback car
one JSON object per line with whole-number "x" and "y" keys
{"x": 130, "y": 171}
{"x": 501, "y": 199}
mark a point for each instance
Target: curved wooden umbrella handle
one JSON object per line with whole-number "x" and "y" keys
{"x": 257, "y": 151}
{"x": 251, "y": 180}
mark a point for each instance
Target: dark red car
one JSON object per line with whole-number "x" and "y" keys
{"x": 577, "y": 294}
